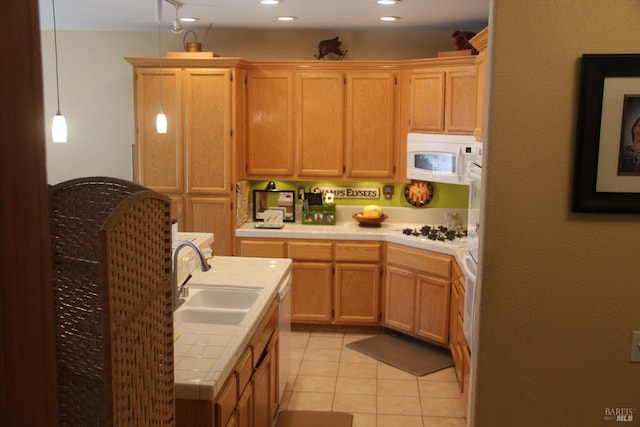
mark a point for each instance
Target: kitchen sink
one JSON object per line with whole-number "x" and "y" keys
{"x": 223, "y": 298}
{"x": 222, "y": 305}
{"x": 209, "y": 316}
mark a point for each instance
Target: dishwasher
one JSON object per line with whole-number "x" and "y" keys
{"x": 284, "y": 340}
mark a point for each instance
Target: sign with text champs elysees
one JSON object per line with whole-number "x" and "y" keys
{"x": 349, "y": 192}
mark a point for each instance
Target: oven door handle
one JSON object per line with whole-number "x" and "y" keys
{"x": 466, "y": 269}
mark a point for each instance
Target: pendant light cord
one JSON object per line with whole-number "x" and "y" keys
{"x": 55, "y": 44}
{"x": 160, "y": 57}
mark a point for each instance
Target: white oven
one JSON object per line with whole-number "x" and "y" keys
{"x": 440, "y": 157}
{"x": 471, "y": 260}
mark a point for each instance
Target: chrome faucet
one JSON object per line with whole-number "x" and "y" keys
{"x": 178, "y": 290}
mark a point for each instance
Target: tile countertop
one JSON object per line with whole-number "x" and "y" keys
{"x": 347, "y": 228}
{"x": 204, "y": 355}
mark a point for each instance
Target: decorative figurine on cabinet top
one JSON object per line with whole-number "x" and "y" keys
{"x": 326, "y": 47}
{"x": 461, "y": 40}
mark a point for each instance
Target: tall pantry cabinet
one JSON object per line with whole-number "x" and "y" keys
{"x": 193, "y": 163}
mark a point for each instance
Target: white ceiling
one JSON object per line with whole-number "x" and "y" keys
{"x": 311, "y": 14}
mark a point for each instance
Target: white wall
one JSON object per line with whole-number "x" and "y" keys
{"x": 96, "y": 97}
{"x": 96, "y": 82}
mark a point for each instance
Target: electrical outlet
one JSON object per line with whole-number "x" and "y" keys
{"x": 635, "y": 346}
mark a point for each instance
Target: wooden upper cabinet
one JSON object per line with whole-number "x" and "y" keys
{"x": 320, "y": 120}
{"x": 441, "y": 96}
{"x": 269, "y": 126}
{"x": 481, "y": 42}
{"x": 371, "y": 117}
{"x": 159, "y": 157}
{"x": 426, "y": 102}
{"x": 207, "y": 130}
{"x": 460, "y": 102}
{"x": 193, "y": 163}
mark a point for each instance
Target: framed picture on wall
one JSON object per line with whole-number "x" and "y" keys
{"x": 607, "y": 158}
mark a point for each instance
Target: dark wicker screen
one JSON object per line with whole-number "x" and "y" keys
{"x": 111, "y": 248}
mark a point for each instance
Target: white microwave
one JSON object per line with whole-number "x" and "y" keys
{"x": 440, "y": 157}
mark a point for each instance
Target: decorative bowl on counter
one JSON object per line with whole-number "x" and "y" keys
{"x": 368, "y": 221}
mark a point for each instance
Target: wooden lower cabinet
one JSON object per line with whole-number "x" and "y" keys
{"x": 204, "y": 213}
{"x": 357, "y": 298}
{"x": 249, "y": 396}
{"x": 417, "y": 293}
{"x": 466, "y": 376}
{"x": 265, "y": 386}
{"x": 334, "y": 282}
{"x": 400, "y": 299}
{"x": 312, "y": 292}
{"x": 244, "y": 409}
{"x": 458, "y": 343}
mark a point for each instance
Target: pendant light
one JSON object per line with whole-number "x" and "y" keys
{"x": 161, "y": 119}
{"x": 59, "y": 124}
{"x": 177, "y": 27}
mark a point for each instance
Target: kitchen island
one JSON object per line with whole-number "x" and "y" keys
{"x": 207, "y": 355}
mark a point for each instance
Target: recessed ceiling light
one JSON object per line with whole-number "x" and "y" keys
{"x": 389, "y": 18}
{"x": 189, "y": 19}
{"x": 270, "y": 2}
{"x": 287, "y": 18}
{"x": 385, "y": 2}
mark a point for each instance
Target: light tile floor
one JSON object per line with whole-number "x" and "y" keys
{"x": 332, "y": 377}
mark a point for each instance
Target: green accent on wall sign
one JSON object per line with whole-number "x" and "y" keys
{"x": 349, "y": 192}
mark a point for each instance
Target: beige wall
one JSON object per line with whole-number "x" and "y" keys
{"x": 96, "y": 86}
{"x": 561, "y": 291}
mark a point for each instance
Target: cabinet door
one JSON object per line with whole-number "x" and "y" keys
{"x": 269, "y": 126}
{"x": 466, "y": 377}
{"x": 426, "y": 101}
{"x": 226, "y": 400}
{"x": 233, "y": 421}
{"x": 357, "y": 298}
{"x": 481, "y": 88}
{"x": 207, "y": 130}
{"x": 262, "y": 403}
{"x": 320, "y": 124}
{"x": 244, "y": 409}
{"x": 453, "y": 323}
{"x": 177, "y": 209}
{"x": 371, "y": 117}
{"x": 432, "y": 314}
{"x": 460, "y": 100}
{"x": 212, "y": 215}
{"x": 159, "y": 157}
{"x": 400, "y": 299}
{"x": 311, "y": 292}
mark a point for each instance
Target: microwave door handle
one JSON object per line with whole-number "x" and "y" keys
{"x": 460, "y": 164}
